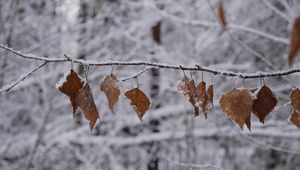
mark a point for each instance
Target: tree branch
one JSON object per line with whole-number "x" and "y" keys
{"x": 273, "y": 8}
{"x": 229, "y": 26}
{"x": 256, "y": 54}
{"x": 157, "y": 65}
{"x": 138, "y": 74}
{"x": 191, "y": 165}
{"x": 13, "y": 84}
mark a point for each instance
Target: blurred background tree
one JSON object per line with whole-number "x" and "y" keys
{"x": 36, "y": 126}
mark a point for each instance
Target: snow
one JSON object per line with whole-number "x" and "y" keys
{"x": 117, "y": 32}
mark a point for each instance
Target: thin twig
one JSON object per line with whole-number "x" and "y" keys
{"x": 12, "y": 85}
{"x": 42, "y": 130}
{"x": 38, "y": 141}
{"x": 138, "y": 74}
{"x": 259, "y": 74}
{"x": 231, "y": 26}
{"x": 281, "y": 14}
{"x": 286, "y": 5}
{"x": 190, "y": 165}
{"x": 256, "y": 54}
{"x": 251, "y": 51}
{"x": 269, "y": 146}
{"x": 282, "y": 106}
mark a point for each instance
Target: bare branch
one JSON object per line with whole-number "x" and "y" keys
{"x": 12, "y": 85}
{"x": 256, "y": 54}
{"x": 138, "y": 74}
{"x": 229, "y": 26}
{"x": 190, "y": 165}
{"x": 157, "y": 65}
{"x": 286, "y": 5}
{"x": 281, "y": 14}
{"x": 269, "y": 146}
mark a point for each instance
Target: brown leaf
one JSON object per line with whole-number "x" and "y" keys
{"x": 193, "y": 96}
{"x": 139, "y": 101}
{"x": 248, "y": 122}
{"x": 237, "y": 104}
{"x": 71, "y": 88}
{"x": 86, "y": 103}
{"x": 187, "y": 87}
{"x": 295, "y": 102}
{"x": 295, "y": 99}
{"x": 295, "y": 119}
{"x": 264, "y": 103}
{"x": 111, "y": 89}
{"x": 202, "y": 97}
{"x": 222, "y": 18}
{"x": 156, "y": 33}
{"x": 294, "y": 42}
{"x": 210, "y": 95}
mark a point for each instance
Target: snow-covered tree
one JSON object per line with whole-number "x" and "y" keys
{"x": 38, "y": 130}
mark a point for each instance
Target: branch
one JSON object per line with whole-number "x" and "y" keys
{"x": 157, "y": 65}
{"x": 286, "y": 5}
{"x": 269, "y": 146}
{"x": 138, "y": 74}
{"x": 281, "y": 14}
{"x": 39, "y": 139}
{"x": 13, "y": 84}
{"x": 230, "y": 26}
{"x": 256, "y": 54}
{"x": 190, "y": 165}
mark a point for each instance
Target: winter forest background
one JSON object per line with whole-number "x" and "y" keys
{"x": 37, "y": 130}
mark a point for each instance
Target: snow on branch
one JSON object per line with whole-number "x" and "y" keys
{"x": 196, "y": 67}
{"x": 277, "y": 11}
{"x": 8, "y": 87}
{"x": 231, "y": 26}
{"x": 190, "y": 165}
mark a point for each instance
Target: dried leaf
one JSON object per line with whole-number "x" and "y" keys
{"x": 264, "y": 103}
{"x": 237, "y": 104}
{"x": 80, "y": 95}
{"x": 86, "y": 103}
{"x": 111, "y": 89}
{"x": 295, "y": 119}
{"x": 193, "y": 96}
{"x": 210, "y": 95}
{"x": 294, "y": 42}
{"x": 187, "y": 87}
{"x": 71, "y": 88}
{"x": 248, "y": 122}
{"x": 222, "y": 18}
{"x": 295, "y": 99}
{"x": 202, "y": 98}
{"x": 295, "y": 102}
{"x": 139, "y": 101}
{"x": 156, "y": 33}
